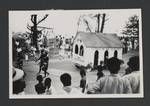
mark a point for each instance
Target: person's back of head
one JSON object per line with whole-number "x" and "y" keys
{"x": 66, "y": 79}
{"x": 134, "y": 63}
{"x": 47, "y": 83}
{"x": 39, "y": 78}
{"x": 101, "y": 62}
{"x": 134, "y": 78}
{"x": 40, "y": 86}
{"x": 113, "y": 65}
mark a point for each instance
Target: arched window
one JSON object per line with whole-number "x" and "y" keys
{"x": 106, "y": 57}
{"x": 76, "y": 49}
{"x": 96, "y": 57}
{"x": 106, "y": 54}
{"x": 116, "y": 53}
{"x": 81, "y": 50}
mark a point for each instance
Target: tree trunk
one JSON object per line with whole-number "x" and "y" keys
{"x": 98, "y": 22}
{"x": 132, "y": 42}
{"x": 34, "y": 30}
{"x": 103, "y": 23}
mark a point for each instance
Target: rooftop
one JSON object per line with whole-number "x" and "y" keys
{"x": 100, "y": 40}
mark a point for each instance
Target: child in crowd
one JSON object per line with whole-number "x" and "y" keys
{"x": 48, "y": 88}
{"x": 44, "y": 68}
{"x": 44, "y": 60}
{"x": 45, "y": 63}
{"x": 40, "y": 89}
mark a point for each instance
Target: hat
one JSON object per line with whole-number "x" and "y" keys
{"x": 17, "y": 74}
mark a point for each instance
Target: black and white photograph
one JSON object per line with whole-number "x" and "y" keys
{"x": 92, "y": 53}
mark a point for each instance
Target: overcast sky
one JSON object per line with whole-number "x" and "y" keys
{"x": 65, "y": 21}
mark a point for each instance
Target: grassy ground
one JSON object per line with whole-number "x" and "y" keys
{"x": 56, "y": 68}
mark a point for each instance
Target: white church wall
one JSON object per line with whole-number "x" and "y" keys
{"x": 88, "y": 56}
{"x": 112, "y": 50}
{"x": 120, "y": 52}
{"x": 77, "y": 58}
{"x": 90, "y": 52}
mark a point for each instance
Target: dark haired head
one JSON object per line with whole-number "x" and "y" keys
{"x": 44, "y": 46}
{"x": 134, "y": 63}
{"x": 39, "y": 78}
{"x": 42, "y": 51}
{"x": 113, "y": 65}
{"x": 47, "y": 82}
{"x": 101, "y": 62}
{"x": 45, "y": 53}
{"x": 65, "y": 79}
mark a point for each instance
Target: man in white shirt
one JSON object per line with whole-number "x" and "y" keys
{"x": 111, "y": 84}
{"x": 134, "y": 76}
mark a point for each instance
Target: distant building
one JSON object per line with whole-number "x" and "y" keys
{"x": 91, "y": 48}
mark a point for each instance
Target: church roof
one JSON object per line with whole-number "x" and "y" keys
{"x": 100, "y": 40}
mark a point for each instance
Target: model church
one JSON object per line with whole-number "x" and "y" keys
{"x": 91, "y": 48}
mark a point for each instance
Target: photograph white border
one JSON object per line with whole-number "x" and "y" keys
{"x": 140, "y": 95}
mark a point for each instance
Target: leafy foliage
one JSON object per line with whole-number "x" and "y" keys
{"x": 132, "y": 26}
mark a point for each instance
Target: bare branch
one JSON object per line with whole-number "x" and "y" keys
{"x": 32, "y": 20}
{"x": 87, "y": 25}
{"x": 106, "y": 19}
{"x": 44, "y": 27}
{"x": 41, "y": 30}
{"x": 28, "y": 32}
{"x": 28, "y": 27}
{"x": 79, "y": 20}
{"x": 46, "y": 33}
{"x": 42, "y": 19}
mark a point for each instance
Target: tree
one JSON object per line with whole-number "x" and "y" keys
{"x": 103, "y": 22}
{"x": 132, "y": 29}
{"x": 103, "y": 19}
{"x": 88, "y": 26}
{"x": 88, "y": 20}
{"x": 34, "y": 31}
